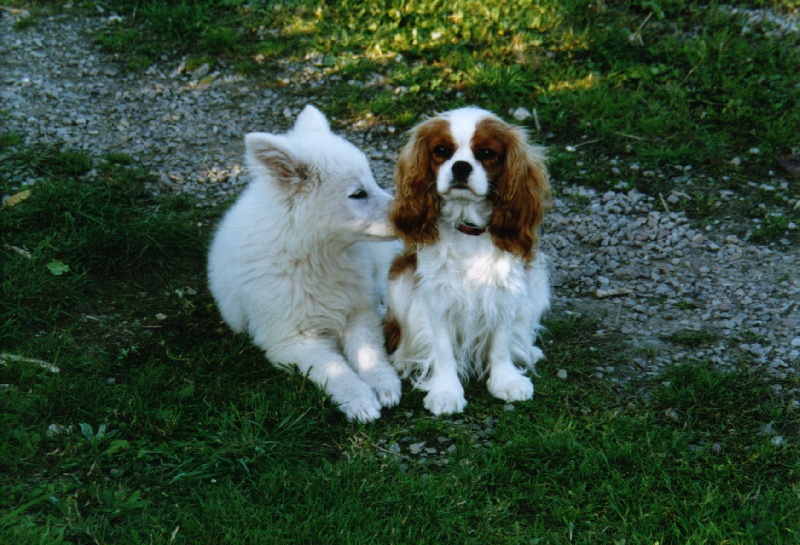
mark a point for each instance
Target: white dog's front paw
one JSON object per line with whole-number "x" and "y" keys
{"x": 386, "y": 384}
{"x": 389, "y": 392}
{"x": 445, "y": 402}
{"x": 363, "y": 409}
{"x": 355, "y": 399}
{"x": 512, "y": 386}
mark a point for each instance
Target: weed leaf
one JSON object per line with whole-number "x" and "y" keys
{"x": 57, "y": 268}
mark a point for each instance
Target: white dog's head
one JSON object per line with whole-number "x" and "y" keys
{"x": 324, "y": 179}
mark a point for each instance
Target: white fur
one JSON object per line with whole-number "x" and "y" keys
{"x": 462, "y": 124}
{"x": 469, "y": 303}
{"x": 299, "y": 263}
{"x": 469, "y": 308}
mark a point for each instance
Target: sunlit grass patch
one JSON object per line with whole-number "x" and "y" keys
{"x": 653, "y": 83}
{"x": 688, "y": 58}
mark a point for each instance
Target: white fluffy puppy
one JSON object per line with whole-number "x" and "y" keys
{"x": 298, "y": 263}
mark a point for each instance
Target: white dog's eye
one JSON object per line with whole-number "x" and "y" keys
{"x": 360, "y": 194}
{"x": 485, "y": 154}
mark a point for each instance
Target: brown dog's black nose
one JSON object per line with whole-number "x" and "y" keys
{"x": 461, "y": 171}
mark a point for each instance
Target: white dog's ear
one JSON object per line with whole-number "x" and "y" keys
{"x": 311, "y": 120}
{"x": 273, "y": 154}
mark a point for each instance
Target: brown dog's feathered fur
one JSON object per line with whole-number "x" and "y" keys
{"x": 520, "y": 188}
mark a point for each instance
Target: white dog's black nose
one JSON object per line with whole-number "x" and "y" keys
{"x": 461, "y": 171}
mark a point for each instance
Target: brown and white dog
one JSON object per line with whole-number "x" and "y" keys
{"x": 467, "y": 294}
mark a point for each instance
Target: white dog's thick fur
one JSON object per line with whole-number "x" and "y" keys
{"x": 467, "y": 295}
{"x": 298, "y": 263}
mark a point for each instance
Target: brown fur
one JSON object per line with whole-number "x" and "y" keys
{"x": 405, "y": 263}
{"x": 392, "y": 333}
{"x": 521, "y": 187}
{"x": 415, "y": 209}
{"x": 520, "y": 194}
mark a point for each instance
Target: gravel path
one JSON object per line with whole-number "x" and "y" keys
{"x": 671, "y": 290}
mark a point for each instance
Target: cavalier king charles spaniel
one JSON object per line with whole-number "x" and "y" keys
{"x": 466, "y": 295}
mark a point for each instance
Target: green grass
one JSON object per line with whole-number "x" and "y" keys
{"x": 162, "y": 426}
{"x": 656, "y": 83}
{"x": 657, "y": 71}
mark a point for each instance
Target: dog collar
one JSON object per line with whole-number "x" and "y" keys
{"x": 471, "y": 230}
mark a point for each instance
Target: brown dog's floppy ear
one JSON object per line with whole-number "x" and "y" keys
{"x": 415, "y": 209}
{"x": 522, "y": 193}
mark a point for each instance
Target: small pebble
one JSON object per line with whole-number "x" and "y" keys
{"x": 57, "y": 429}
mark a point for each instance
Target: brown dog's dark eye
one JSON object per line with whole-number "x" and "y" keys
{"x": 485, "y": 154}
{"x": 442, "y": 152}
